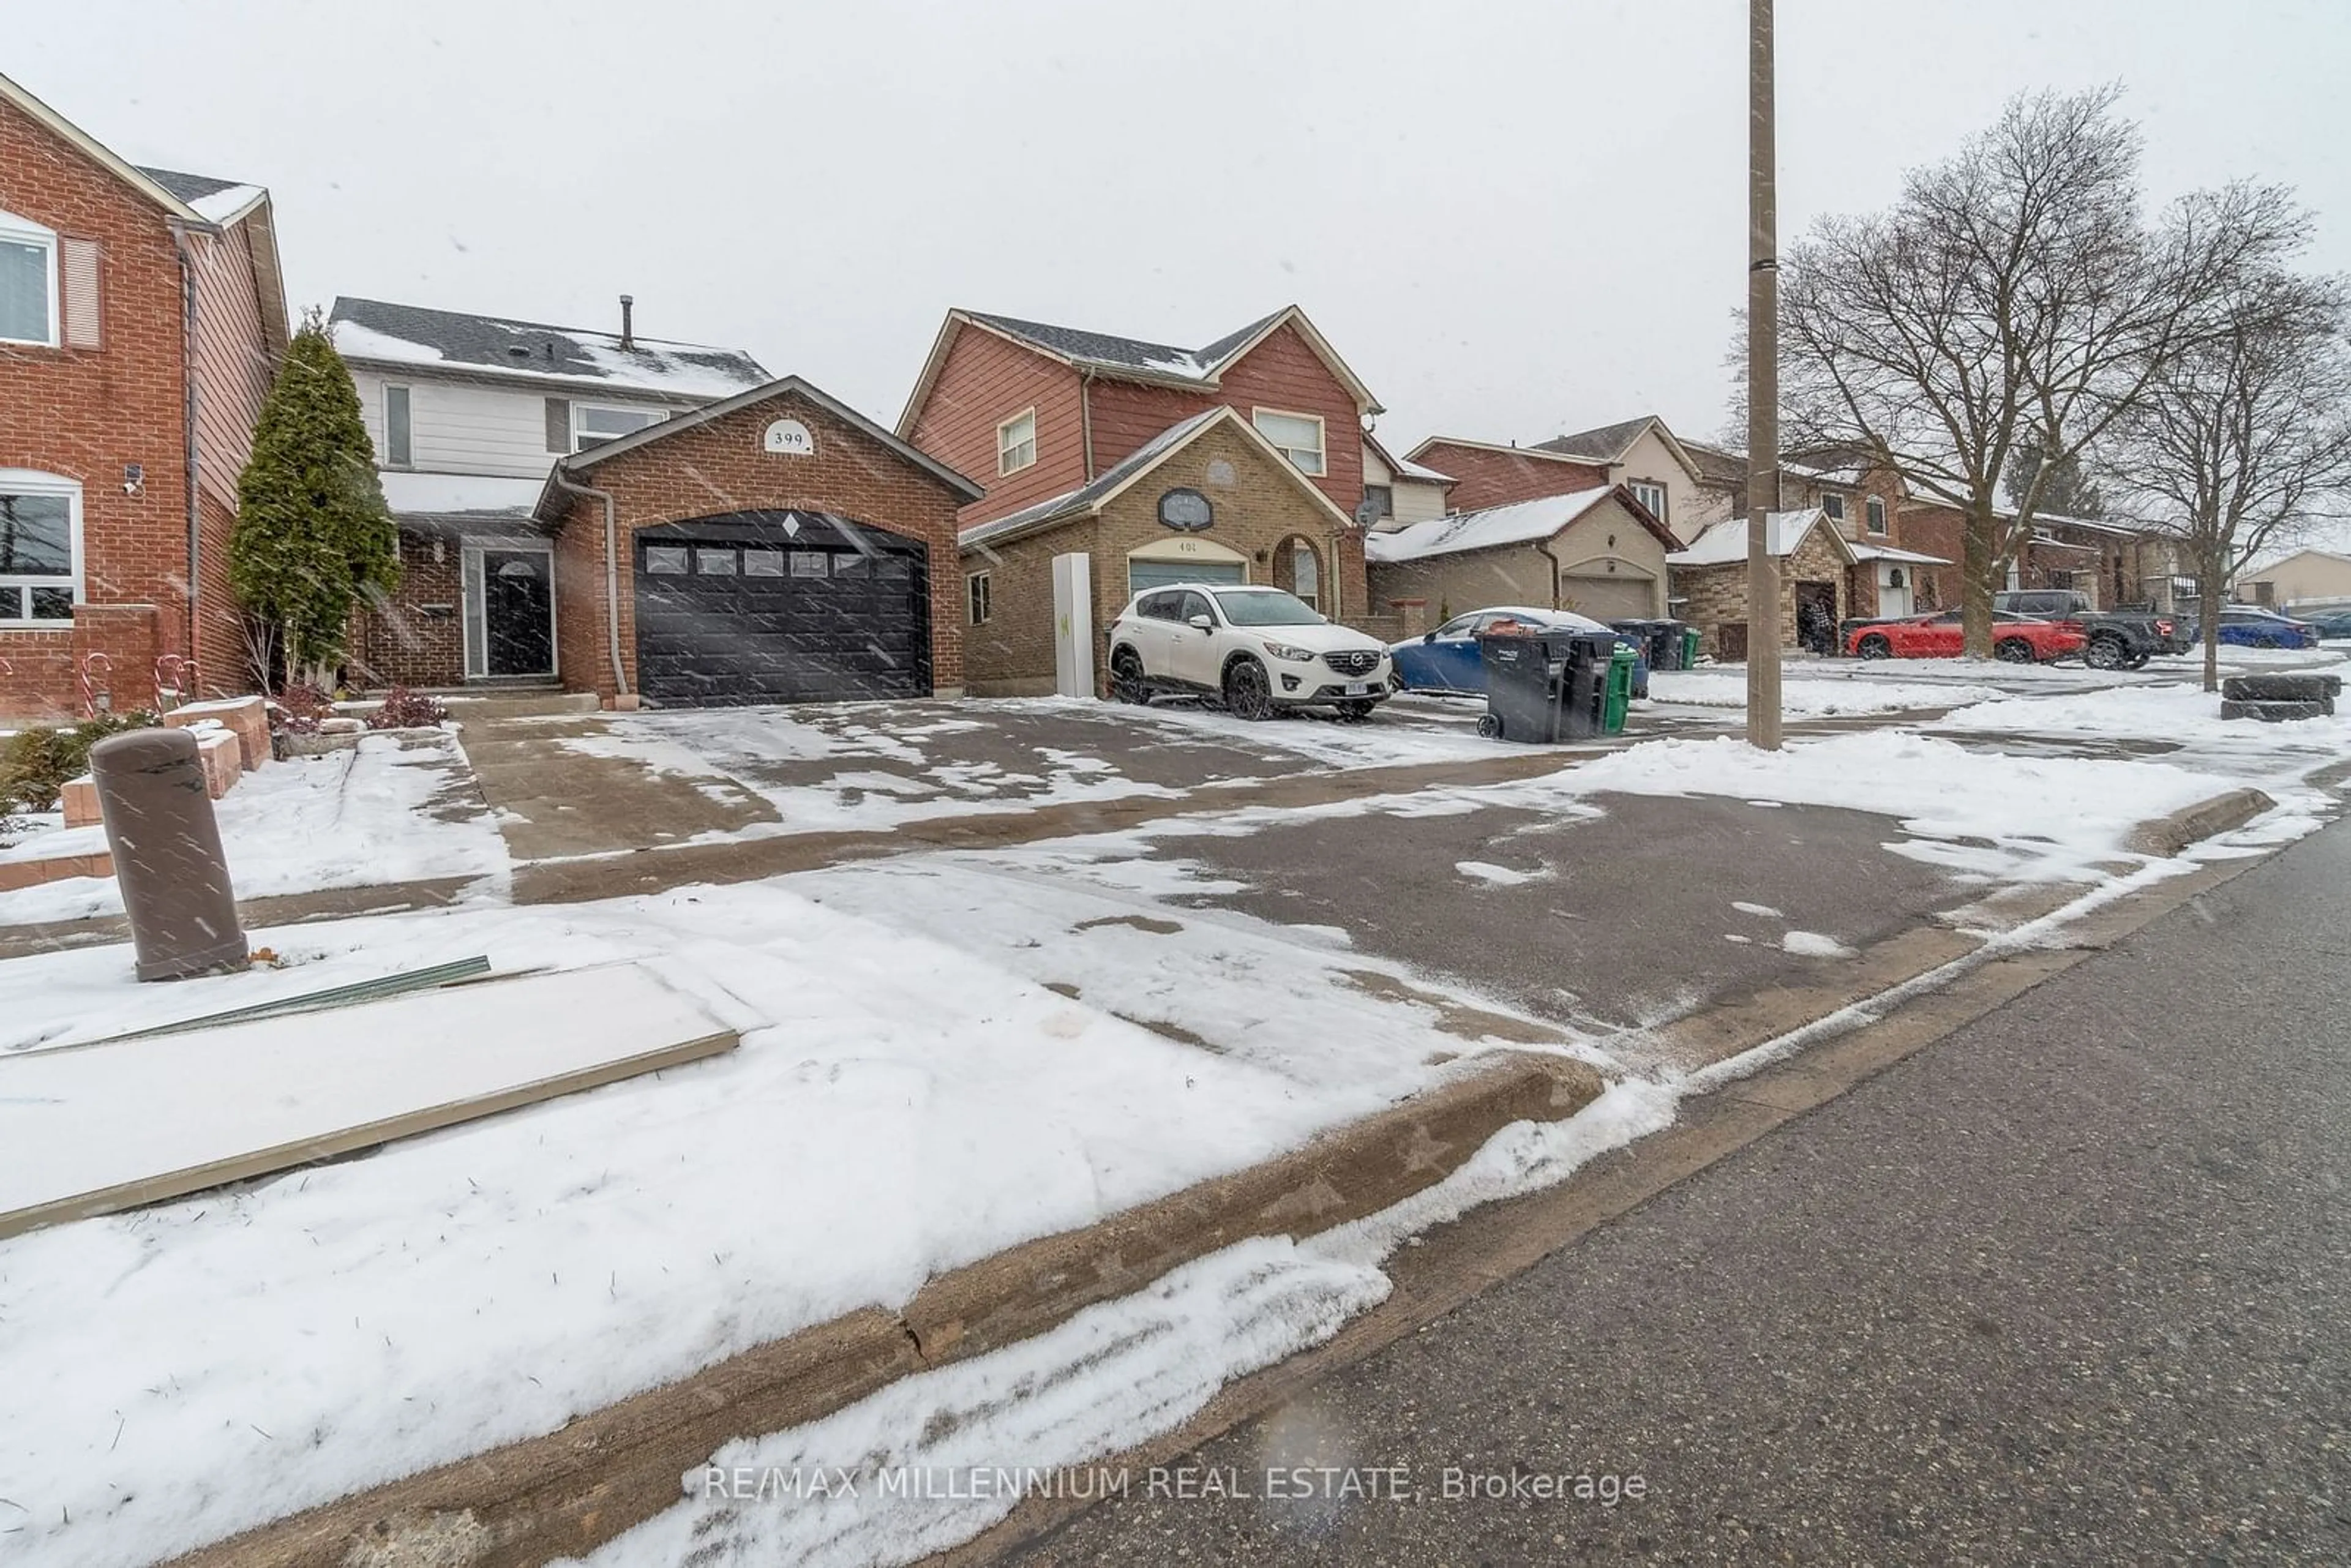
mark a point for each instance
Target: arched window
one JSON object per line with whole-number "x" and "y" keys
{"x": 40, "y": 548}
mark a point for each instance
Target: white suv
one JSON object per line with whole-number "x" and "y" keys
{"x": 1259, "y": 649}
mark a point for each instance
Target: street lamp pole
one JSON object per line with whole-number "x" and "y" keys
{"x": 1762, "y": 387}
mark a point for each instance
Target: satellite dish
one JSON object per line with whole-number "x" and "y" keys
{"x": 1367, "y": 512}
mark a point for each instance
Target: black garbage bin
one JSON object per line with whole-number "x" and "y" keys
{"x": 1660, "y": 641}
{"x": 1544, "y": 686}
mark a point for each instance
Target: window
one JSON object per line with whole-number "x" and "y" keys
{"x": 761, "y": 561}
{"x": 1305, "y": 573}
{"x": 1834, "y": 507}
{"x": 1383, "y": 500}
{"x": 1191, "y": 605}
{"x": 975, "y": 590}
{"x": 1016, "y": 443}
{"x": 40, "y": 548}
{"x": 1161, "y": 606}
{"x": 1652, "y": 495}
{"x": 666, "y": 560}
{"x": 1874, "y": 511}
{"x": 397, "y": 443}
{"x": 29, "y": 281}
{"x": 713, "y": 563}
{"x": 1299, "y": 436}
{"x": 590, "y": 424}
{"x": 810, "y": 562}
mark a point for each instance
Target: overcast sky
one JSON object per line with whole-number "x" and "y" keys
{"x": 1513, "y": 217}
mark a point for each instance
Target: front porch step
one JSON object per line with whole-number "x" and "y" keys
{"x": 516, "y": 702}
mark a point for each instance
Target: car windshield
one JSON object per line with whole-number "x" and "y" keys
{"x": 1261, "y": 607}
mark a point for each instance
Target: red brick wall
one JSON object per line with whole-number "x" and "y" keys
{"x": 1488, "y": 477}
{"x": 984, "y": 382}
{"x": 403, "y": 644}
{"x": 87, "y": 413}
{"x": 719, "y": 467}
{"x": 1932, "y": 528}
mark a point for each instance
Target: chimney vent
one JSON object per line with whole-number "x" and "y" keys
{"x": 628, "y": 329}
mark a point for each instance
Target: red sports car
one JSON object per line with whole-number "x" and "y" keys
{"x": 2019, "y": 639}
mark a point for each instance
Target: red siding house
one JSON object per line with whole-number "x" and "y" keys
{"x": 1038, "y": 413}
{"x": 141, "y": 319}
{"x": 1486, "y": 475}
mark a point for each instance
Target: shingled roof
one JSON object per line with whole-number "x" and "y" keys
{"x": 1602, "y": 443}
{"x": 380, "y": 332}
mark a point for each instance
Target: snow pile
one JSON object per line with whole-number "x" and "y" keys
{"x": 396, "y": 807}
{"x": 898, "y": 1108}
{"x": 1110, "y": 1378}
{"x": 1726, "y": 686}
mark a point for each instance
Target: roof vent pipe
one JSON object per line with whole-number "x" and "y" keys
{"x": 627, "y": 330}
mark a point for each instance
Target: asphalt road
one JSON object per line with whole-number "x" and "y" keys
{"x": 2072, "y": 1285}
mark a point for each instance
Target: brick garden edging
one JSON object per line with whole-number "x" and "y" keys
{"x": 569, "y": 1491}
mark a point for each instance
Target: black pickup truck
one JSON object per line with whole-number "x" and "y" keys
{"x": 2118, "y": 639}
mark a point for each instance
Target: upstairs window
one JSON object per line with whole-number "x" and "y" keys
{"x": 1382, "y": 498}
{"x": 28, "y": 282}
{"x": 590, "y": 424}
{"x": 1016, "y": 443}
{"x": 1833, "y": 504}
{"x": 398, "y": 442}
{"x": 1299, "y": 436}
{"x": 40, "y": 548}
{"x": 1652, "y": 495}
{"x": 1874, "y": 512}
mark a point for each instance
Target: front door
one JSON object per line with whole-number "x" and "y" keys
{"x": 518, "y": 603}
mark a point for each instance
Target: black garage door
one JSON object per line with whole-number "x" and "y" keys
{"x": 764, "y": 607}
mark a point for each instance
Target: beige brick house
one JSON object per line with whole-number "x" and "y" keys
{"x": 1208, "y": 499}
{"x": 1596, "y": 551}
{"x": 1816, "y": 569}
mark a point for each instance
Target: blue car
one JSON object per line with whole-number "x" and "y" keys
{"x": 2245, "y": 626}
{"x": 1446, "y": 660}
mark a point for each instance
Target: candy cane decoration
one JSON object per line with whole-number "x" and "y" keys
{"x": 88, "y": 691}
{"x": 175, "y": 677}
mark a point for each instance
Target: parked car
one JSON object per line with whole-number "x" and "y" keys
{"x": 2117, "y": 639}
{"x": 2330, "y": 625}
{"x": 2249, "y": 626}
{"x": 1447, "y": 659}
{"x": 1260, "y": 650}
{"x": 2019, "y": 639}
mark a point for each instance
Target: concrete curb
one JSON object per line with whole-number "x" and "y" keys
{"x": 2168, "y": 836}
{"x": 570, "y": 1492}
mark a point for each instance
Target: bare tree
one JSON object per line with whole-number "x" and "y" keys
{"x": 2013, "y": 295}
{"x": 2242, "y": 443}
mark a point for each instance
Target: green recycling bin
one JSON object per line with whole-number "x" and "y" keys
{"x": 1621, "y": 665}
{"x": 1689, "y": 647}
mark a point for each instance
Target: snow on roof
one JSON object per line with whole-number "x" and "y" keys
{"x": 453, "y": 495}
{"x": 1516, "y": 523}
{"x": 1725, "y": 543}
{"x": 1405, "y": 468}
{"x": 1887, "y": 552}
{"x": 483, "y": 344}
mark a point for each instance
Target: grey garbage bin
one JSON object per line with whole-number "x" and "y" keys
{"x": 167, "y": 854}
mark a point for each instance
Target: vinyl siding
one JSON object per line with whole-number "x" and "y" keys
{"x": 984, "y": 382}
{"x": 456, "y": 427}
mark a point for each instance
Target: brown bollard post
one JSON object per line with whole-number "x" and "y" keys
{"x": 167, "y": 853}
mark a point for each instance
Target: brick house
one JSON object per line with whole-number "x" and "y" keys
{"x": 775, "y": 546}
{"x": 1596, "y": 551}
{"x": 468, "y": 413}
{"x": 141, "y": 321}
{"x": 1041, "y": 413}
{"x": 1210, "y": 499}
{"x": 2111, "y": 562}
{"x": 1484, "y": 474}
{"x": 1903, "y": 563}
{"x": 1817, "y": 564}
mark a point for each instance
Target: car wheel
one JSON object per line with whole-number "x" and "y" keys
{"x": 2013, "y": 651}
{"x": 1247, "y": 694}
{"x": 1356, "y": 712}
{"x": 1490, "y": 725}
{"x": 1874, "y": 648}
{"x": 2107, "y": 654}
{"x": 1127, "y": 682}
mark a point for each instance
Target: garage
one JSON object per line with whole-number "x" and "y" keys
{"x": 773, "y": 546}
{"x": 1624, "y": 598}
{"x": 780, "y": 606}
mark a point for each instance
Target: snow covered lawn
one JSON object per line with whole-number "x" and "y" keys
{"x": 399, "y": 807}
{"x": 899, "y": 1106}
{"x": 1802, "y": 696}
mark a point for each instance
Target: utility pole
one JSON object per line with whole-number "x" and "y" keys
{"x": 1762, "y": 387}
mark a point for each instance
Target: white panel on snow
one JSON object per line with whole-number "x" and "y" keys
{"x": 1073, "y": 625}
{"x": 89, "y": 1129}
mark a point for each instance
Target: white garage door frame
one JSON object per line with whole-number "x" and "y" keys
{"x": 1183, "y": 559}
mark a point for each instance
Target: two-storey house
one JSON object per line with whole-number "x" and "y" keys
{"x": 141, "y": 321}
{"x": 468, "y": 413}
{"x": 1105, "y": 447}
